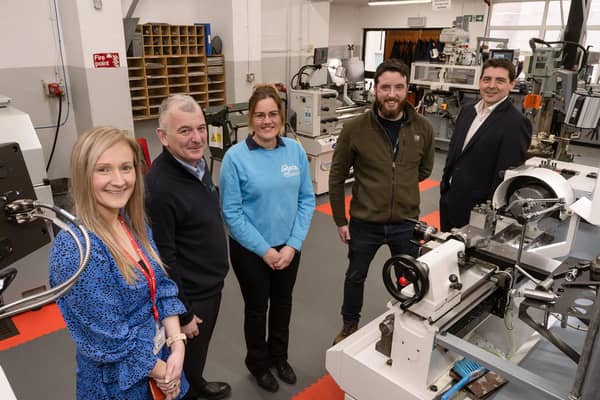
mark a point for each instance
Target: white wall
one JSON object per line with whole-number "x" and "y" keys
{"x": 101, "y": 31}
{"x": 347, "y": 22}
{"x": 276, "y": 39}
{"x": 29, "y": 54}
{"x": 21, "y": 20}
{"x": 344, "y": 27}
{"x": 100, "y": 95}
{"x": 290, "y": 32}
{"x": 246, "y": 23}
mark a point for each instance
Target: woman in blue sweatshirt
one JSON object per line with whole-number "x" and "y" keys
{"x": 268, "y": 202}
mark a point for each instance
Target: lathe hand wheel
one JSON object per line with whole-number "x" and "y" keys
{"x": 401, "y": 271}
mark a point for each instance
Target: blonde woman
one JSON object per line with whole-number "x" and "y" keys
{"x": 124, "y": 307}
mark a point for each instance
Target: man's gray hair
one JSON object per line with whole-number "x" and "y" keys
{"x": 182, "y": 102}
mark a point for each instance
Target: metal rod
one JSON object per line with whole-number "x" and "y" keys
{"x": 527, "y": 274}
{"x": 525, "y": 201}
{"x": 518, "y": 260}
{"x": 521, "y": 244}
{"x": 548, "y": 210}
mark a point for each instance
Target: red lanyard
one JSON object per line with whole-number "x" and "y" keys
{"x": 148, "y": 271}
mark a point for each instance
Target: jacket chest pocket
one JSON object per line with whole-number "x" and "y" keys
{"x": 411, "y": 148}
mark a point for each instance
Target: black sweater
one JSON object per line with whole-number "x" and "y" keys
{"x": 188, "y": 229}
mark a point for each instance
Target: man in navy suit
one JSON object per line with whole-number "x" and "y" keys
{"x": 490, "y": 137}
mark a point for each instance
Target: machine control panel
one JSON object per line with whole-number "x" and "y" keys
{"x": 315, "y": 110}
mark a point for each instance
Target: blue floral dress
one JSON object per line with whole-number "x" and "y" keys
{"x": 110, "y": 321}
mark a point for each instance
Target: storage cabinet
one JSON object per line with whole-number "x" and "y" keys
{"x": 216, "y": 80}
{"x": 174, "y": 61}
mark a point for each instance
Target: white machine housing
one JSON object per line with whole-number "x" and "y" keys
{"x": 417, "y": 369}
{"x": 320, "y": 152}
{"x": 16, "y": 126}
{"x": 440, "y": 297}
{"x": 315, "y": 111}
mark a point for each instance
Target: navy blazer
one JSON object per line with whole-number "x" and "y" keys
{"x": 471, "y": 175}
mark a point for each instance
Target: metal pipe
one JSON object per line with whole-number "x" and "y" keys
{"x": 572, "y": 33}
{"x": 131, "y": 9}
{"x": 48, "y": 296}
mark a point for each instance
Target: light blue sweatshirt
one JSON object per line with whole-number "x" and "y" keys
{"x": 267, "y": 196}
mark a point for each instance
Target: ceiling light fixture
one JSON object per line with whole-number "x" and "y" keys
{"x": 395, "y": 2}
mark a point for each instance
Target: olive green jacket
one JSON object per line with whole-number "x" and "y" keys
{"x": 384, "y": 190}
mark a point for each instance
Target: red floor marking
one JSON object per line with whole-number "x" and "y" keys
{"x": 432, "y": 219}
{"x": 33, "y": 324}
{"x": 325, "y": 208}
{"x": 428, "y": 184}
{"x": 323, "y": 389}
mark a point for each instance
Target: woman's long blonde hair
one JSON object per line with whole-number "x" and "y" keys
{"x": 86, "y": 152}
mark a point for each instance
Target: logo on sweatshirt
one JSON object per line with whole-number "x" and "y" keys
{"x": 290, "y": 170}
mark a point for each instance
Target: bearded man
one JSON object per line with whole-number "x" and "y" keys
{"x": 390, "y": 149}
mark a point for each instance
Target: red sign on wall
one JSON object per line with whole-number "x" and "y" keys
{"x": 106, "y": 60}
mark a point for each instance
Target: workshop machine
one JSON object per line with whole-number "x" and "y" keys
{"x": 26, "y": 207}
{"x": 319, "y": 121}
{"x": 17, "y": 130}
{"x": 486, "y": 292}
{"x": 560, "y": 107}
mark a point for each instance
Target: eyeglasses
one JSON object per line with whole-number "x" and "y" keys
{"x": 260, "y": 116}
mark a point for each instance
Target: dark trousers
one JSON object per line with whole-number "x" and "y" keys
{"x": 264, "y": 289}
{"x": 197, "y": 348}
{"x": 365, "y": 239}
{"x": 445, "y": 224}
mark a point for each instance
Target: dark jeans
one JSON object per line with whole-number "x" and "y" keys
{"x": 197, "y": 348}
{"x": 264, "y": 289}
{"x": 365, "y": 239}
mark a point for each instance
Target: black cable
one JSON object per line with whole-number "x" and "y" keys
{"x": 292, "y": 84}
{"x": 56, "y": 133}
{"x": 299, "y": 84}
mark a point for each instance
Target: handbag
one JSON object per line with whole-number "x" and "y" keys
{"x": 157, "y": 394}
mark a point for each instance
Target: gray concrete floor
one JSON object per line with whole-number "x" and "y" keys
{"x": 45, "y": 368}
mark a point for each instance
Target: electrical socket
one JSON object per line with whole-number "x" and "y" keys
{"x": 53, "y": 89}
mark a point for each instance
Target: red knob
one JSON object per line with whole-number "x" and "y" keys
{"x": 403, "y": 281}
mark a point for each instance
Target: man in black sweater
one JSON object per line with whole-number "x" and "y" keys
{"x": 188, "y": 229}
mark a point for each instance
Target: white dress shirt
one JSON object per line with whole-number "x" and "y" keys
{"x": 480, "y": 118}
